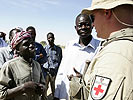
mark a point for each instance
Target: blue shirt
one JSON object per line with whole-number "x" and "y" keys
{"x": 40, "y": 50}
{"x": 3, "y": 43}
{"x": 54, "y": 56}
{"x": 6, "y": 54}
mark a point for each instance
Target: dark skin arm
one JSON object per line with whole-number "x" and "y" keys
{"x": 28, "y": 87}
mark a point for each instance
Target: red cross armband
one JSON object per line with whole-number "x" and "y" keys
{"x": 100, "y": 87}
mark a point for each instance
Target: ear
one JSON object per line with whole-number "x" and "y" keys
{"x": 108, "y": 13}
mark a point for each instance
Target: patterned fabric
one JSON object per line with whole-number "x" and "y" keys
{"x": 18, "y": 37}
{"x": 54, "y": 55}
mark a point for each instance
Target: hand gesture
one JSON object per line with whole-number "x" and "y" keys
{"x": 29, "y": 87}
{"x": 40, "y": 89}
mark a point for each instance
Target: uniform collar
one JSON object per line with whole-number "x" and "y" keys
{"x": 126, "y": 32}
{"x": 122, "y": 32}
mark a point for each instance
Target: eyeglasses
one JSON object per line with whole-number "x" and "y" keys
{"x": 92, "y": 17}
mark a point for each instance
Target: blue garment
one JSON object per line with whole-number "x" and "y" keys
{"x": 6, "y": 54}
{"x": 3, "y": 43}
{"x": 54, "y": 55}
{"x": 40, "y": 51}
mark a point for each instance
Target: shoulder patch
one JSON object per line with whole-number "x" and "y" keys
{"x": 100, "y": 87}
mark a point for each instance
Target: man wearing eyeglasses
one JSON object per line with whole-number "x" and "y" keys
{"x": 110, "y": 74}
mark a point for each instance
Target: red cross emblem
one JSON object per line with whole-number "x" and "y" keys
{"x": 98, "y": 90}
{"x": 99, "y": 87}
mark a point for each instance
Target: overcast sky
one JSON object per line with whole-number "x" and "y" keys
{"x": 57, "y": 16}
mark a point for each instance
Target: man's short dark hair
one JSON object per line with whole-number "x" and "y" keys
{"x": 50, "y": 33}
{"x": 89, "y": 17}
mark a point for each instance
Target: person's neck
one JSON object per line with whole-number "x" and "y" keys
{"x": 85, "y": 41}
{"x": 51, "y": 45}
{"x": 114, "y": 29}
{"x": 112, "y": 26}
{"x": 29, "y": 60}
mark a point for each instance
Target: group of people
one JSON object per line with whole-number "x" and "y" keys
{"x": 22, "y": 64}
{"x": 27, "y": 67}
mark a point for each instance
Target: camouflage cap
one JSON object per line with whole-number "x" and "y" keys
{"x": 105, "y": 4}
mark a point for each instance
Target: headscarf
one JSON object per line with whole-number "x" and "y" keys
{"x": 19, "y": 37}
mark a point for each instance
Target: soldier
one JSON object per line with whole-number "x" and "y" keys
{"x": 110, "y": 74}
